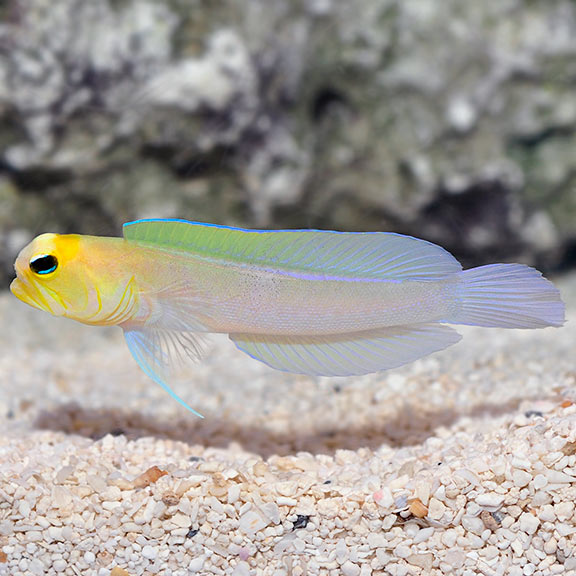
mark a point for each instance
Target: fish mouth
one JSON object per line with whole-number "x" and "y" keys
{"x": 27, "y": 294}
{"x": 22, "y": 292}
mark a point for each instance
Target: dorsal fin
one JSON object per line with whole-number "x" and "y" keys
{"x": 348, "y": 255}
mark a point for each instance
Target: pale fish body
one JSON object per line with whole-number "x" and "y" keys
{"x": 306, "y": 301}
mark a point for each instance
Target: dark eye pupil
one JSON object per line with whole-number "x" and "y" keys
{"x": 44, "y": 264}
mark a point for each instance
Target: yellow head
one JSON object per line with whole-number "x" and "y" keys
{"x": 67, "y": 275}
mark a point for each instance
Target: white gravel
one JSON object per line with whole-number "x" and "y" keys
{"x": 463, "y": 463}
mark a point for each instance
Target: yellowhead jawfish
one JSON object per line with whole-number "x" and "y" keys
{"x": 305, "y": 301}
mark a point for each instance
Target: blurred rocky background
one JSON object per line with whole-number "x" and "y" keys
{"x": 453, "y": 121}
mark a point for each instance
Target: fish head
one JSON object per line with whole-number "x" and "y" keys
{"x": 49, "y": 275}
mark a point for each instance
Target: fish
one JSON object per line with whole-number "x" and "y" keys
{"x": 315, "y": 302}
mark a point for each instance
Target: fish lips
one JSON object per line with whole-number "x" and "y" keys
{"x": 22, "y": 292}
{"x": 31, "y": 295}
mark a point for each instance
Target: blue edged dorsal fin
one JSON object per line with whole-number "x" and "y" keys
{"x": 351, "y": 354}
{"x": 317, "y": 253}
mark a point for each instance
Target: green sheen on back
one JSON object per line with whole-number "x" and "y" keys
{"x": 349, "y": 255}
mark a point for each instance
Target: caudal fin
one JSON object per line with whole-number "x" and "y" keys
{"x": 508, "y": 296}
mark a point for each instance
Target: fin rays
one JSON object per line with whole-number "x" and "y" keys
{"x": 156, "y": 352}
{"x": 174, "y": 336}
{"x": 366, "y": 255}
{"x": 350, "y": 354}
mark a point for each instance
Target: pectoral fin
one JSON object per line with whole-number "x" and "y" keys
{"x": 158, "y": 351}
{"x": 349, "y": 354}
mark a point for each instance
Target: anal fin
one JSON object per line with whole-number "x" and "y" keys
{"x": 350, "y": 354}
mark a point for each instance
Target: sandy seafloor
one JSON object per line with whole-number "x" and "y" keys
{"x": 461, "y": 463}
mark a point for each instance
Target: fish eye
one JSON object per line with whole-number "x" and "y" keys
{"x": 44, "y": 264}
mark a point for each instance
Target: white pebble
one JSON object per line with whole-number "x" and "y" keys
{"x": 389, "y": 521}
{"x": 423, "y": 534}
{"x": 517, "y": 548}
{"x": 455, "y": 558}
{"x": 422, "y": 491}
{"x": 147, "y": 513}
{"x": 271, "y": 512}
{"x": 233, "y": 493}
{"x": 521, "y": 478}
{"x": 24, "y": 508}
{"x": 149, "y": 552}
{"x": 111, "y": 494}
{"x": 342, "y": 552}
{"x": 299, "y": 545}
{"x": 402, "y": 551}
{"x": 241, "y": 569}
{"x": 64, "y": 473}
{"x": 564, "y": 529}
{"x": 475, "y": 541}
{"x": 61, "y": 497}
{"x": 541, "y": 498}
{"x": 97, "y": 483}
{"x": 376, "y": 540}
{"x": 529, "y": 523}
{"x": 59, "y": 565}
{"x": 473, "y": 524}
{"x": 350, "y": 569}
{"x": 251, "y": 522}
{"x": 547, "y": 513}
{"x": 472, "y": 509}
{"x": 449, "y": 538}
{"x": 556, "y": 477}
{"x": 490, "y": 501}
{"x": 521, "y": 463}
{"x": 423, "y": 561}
{"x": 490, "y": 552}
{"x": 564, "y": 510}
{"x": 384, "y": 498}
{"x": 55, "y": 533}
{"x": 540, "y": 481}
{"x": 89, "y": 557}
{"x": 197, "y": 564}
{"x": 436, "y": 509}
{"x": 551, "y": 546}
{"x": 181, "y": 520}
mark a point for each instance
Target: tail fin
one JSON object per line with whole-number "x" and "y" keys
{"x": 508, "y": 296}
